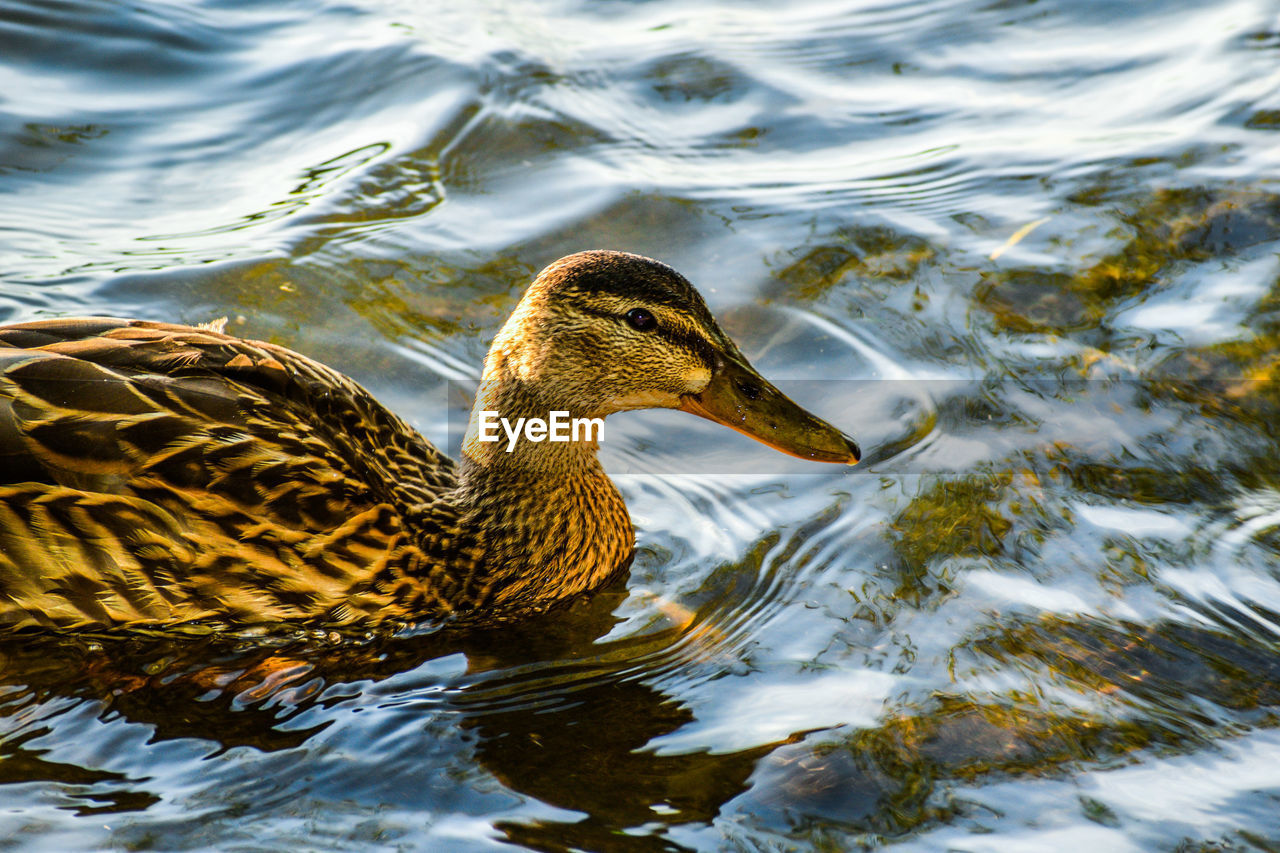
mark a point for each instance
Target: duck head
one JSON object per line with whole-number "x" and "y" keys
{"x": 601, "y": 332}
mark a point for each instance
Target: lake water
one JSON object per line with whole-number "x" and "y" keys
{"x": 1028, "y": 253}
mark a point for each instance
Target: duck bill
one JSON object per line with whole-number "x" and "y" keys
{"x": 742, "y": 399}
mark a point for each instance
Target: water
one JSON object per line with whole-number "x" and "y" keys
{"x": 1025, "y": 251}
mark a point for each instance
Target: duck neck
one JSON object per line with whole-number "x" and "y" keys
{"x": 549, "y": 521}
{"x": 514, "y": 431}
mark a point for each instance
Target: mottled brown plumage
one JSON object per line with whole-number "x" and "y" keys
{"x": 153, "y": 475}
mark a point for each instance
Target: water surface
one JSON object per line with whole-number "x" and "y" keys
{"x": 1025, "y": 251}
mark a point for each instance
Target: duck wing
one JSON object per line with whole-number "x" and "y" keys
{"x": 158, "y": 473}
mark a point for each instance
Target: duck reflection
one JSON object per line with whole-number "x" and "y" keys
{"x": 552, "y": 713}
{"x": 560, "y": 715}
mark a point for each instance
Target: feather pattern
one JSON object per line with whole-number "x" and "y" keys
{"x": 154, "y": 474}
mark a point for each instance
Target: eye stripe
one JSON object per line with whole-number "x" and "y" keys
{"x": 694, "y": 344}
{"x": 691, "y": 342}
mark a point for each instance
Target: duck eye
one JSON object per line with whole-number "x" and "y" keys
{"x": 641, "y": 319}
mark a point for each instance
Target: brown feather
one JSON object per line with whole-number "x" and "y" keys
{"x": 154, "y": 474}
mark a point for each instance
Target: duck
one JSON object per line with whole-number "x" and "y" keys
{"x": 156, "y": 476}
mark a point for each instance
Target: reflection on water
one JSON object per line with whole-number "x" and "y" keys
{"x": 1025, "y": 251}
{"x": 569, "y": 733}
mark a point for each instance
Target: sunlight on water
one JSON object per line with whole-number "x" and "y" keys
{"x": 1026, "y": 252}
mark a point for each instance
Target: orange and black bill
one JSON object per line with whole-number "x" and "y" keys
{"x": 740, "y": 398}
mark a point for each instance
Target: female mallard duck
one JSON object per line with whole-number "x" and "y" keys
{"x": 154, "y": 474}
